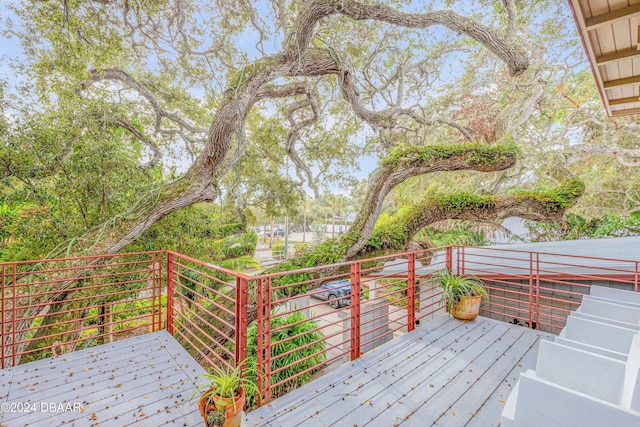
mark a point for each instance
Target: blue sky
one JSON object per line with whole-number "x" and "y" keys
{"x": 10, "y": 50}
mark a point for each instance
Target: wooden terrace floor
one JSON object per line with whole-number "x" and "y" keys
{"x": 446, "y": 372}
{"x": 146, "y": 380}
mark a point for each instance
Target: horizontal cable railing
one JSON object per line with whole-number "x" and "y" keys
{"x": 311, "y": 319}
{"x": 539, "y": 289}
{"x": 51, "y": 307}
{"x": 203, "y": 310}
{"x": 286, "y": 327}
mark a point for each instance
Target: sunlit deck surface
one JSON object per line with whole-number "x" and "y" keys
{"x": 446, "y": 372}
{"x": 141, "y": 381}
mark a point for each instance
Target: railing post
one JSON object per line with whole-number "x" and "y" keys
{"x": 411, "y": 292}
{"x": 356, "y": 351}
{"x": 449, "y": 258}
{"x": 242, "y": 299}
{"x": 264, "y": 339}
{"x": 158, "y": 274}
{"x": 159, "y": 281}
{"x": 154, "y": 294}
{"x": 170, "y": 279}
{"x": 537, "y": 322}
{"x": 635, "y": 281}
{"x": 530, "y": 289}
{"x": 108, "y": 322}
{"x": 4, "y": 319}
{"x": 14, "y": 313}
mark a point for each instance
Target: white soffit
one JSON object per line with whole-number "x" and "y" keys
{"x": 609, "y": 33}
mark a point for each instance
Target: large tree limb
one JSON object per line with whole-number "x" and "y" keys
{"x": 627, "y": 157}
{"x": 314, "y": 11}
{"x": 130, "y": 82}
{"x": 407, "y": 163}
{"x": 308, "y": 104}
{"x": 534, "y": 205}
{"x": 319, "y": 62}
{"x": 296, "y": 59}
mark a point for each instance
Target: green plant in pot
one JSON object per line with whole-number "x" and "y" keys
{"x": 224, "y": 395}
{"x": 461, "y": 294}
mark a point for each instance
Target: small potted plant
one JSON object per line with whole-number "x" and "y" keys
{"x": 223, "y": 396}
{"x": 461, "y": 294}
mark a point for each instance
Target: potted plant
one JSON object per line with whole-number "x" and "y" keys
{"x": 461, "y": 294}
{"x": 223, "y": 396}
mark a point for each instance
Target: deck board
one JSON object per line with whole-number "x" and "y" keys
{"x": 484, "y": 416}
{"x": 422, "y": 378}
{"x": 428, "y": 388}
{"x": 144, "y": 380}
{"x": 470, "y": 402}
{"x": 486, "y": 372}
{"x": 395, "y": 402}
{"x": 330, "y": 389}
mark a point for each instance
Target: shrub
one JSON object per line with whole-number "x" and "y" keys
{"x": 277, "y": 248}
{"x": 299, "y": 246}
{"x": 304, "y": 335}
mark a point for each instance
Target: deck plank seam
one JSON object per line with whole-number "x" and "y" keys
{"x": 486, "y": 370}
{"x": 132, "y": 369}
{"x": 462, "y": 330}
{"x": 125, "y": 400}
{"x": 443, "y": 369}
{"x": 499, "y": 384}
{"x": 371, "y": 363}
{"x": 440, "y": 349}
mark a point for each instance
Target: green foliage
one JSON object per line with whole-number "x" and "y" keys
{"x": 456, "y": 286}
{"x": 301, "y": 246}
{"x": 476, "y": 154}
{"x": 189, "y": 280}
{"x": 234, "y": 247}
{"x": 563, "y": 196}
{"x": 306, "y": 343}
{"x": 577, "y": 227}
{"x": 462, "y": 236}
{"x": 392, "y": 235}
{"x": 242, "y": 263}
{"x": 62, "y": 183}
{"x": 330, "y": 251}
{"x": 327, "y": 252}
{"x": 463, "y": 202}
{"x": 226, "y": 230}
{"x": 225, "y": 382}
{"x": 394, "y": 290}
{"x": 277, "y": 248}
{"x": 197, "y": 231}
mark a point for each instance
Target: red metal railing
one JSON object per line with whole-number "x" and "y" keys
{"x": 276, "y": 323}
{"x": 539, "y": 289}
{"x": 387, "y": 295}
{"x": 55, "y": 306}
{"x": 207, "y": 306}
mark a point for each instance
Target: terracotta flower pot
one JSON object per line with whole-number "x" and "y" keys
{"x": 467, "y": 308}
{"x": 232, "y": 407}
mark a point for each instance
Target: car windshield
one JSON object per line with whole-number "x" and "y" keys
{"x": 337, "y": 285}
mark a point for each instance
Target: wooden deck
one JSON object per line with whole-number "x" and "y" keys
{"x": 446, "y": 372}
{"x": 146, "y": 380}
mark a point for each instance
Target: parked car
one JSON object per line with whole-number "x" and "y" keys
{"x": 335, "y": 293}
{"x": 276, "y": 232}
